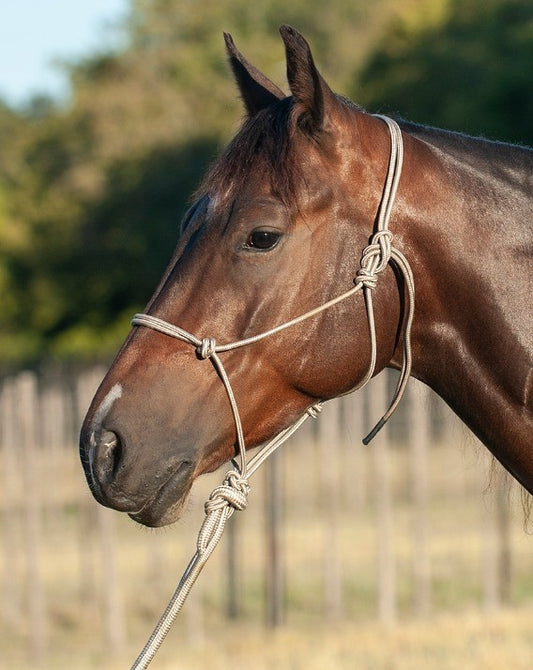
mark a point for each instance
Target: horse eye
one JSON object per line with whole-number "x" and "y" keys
{"x": 262, "y": 240}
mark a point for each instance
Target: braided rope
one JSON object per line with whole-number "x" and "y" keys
{"x": 223, "y": 501}
{"x": 233, "y": 493}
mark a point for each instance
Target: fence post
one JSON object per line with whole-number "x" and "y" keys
{"x": 27, "y": 411}
{"x": 329, "y": 437}
{"x": 503, "y": 520}
{"x": 354, "y": 455}
{"x": 274, "y": 553}
{"x": 386, "y": 562}
{"x": 489, "y": 548}
{"x": 497, "y": 559}
{"x": 11, "y": 487}
{"x": 53, "y": 434}
{"x": 113, "y": 606}
{"x": 419, "y": 435}
{"x": 232, "y": 606}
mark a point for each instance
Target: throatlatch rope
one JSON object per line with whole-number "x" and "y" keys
{"x": 233, "y": 493}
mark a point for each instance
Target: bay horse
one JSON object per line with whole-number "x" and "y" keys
{"x": 277, "y": 228}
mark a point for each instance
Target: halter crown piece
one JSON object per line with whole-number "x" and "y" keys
{"x": 233, "y": 493}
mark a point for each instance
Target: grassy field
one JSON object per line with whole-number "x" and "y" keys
{"x": 467, "y": 640}
{"x": 77, "y": 540}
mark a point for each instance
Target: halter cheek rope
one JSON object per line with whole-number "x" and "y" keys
{"x": 233, "y": 493}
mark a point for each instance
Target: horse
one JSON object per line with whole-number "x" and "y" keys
{"x": 277, "y": 229}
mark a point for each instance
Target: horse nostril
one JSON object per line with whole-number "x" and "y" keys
{"x": 107, "y": 457}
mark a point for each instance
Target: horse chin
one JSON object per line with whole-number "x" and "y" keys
{"x": 155, "y": 518}
{"x": 167, "y": 505}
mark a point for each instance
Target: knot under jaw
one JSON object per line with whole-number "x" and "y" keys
{"x": 207, "y": 347}
{"x": 233, "y": 493}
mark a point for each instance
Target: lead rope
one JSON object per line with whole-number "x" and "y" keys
{"x": 233, "y": 493}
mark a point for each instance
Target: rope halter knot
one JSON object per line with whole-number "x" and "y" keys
{"x": 207, "y": 348}
{"x": 375, "y": 259}
{"x": 233, "y": 492}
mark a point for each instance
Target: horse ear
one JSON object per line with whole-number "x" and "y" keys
{"x": 309, "y": 89}
{"x": 257, "y": 91}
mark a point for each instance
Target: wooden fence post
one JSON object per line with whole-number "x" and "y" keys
{"x": 419, "y": 436}
{"x": 12, "y": 486}
{"x": 503, "y": 520}
{"x": 329, "y": 437}
{"x": 489, "y": 558}
{"x": 386, "y": 562}
{"x": 497, "y": 558}
{"x": 53, "y": 440}
{"x": 232, "y": 605}
{"x": 27, "y": 410}
{"x": 354, "y": 456}
{"x": 274, "y": 554}
{"x": 113, "y": 605}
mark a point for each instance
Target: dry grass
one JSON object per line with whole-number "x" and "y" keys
{"x": 469, "y": 640}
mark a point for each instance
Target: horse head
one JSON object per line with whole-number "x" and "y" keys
{"x": 277, "y": 228}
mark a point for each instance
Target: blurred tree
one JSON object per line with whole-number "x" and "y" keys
{"x": 125, "y": 243}
{"x": 91, "y": 195}
{"x": 468, "y": 67}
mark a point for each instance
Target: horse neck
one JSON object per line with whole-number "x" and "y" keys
{"x": 465, "y": 216}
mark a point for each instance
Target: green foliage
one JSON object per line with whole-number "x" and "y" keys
{"x": 128, "y": 235}
{"x": 469, "y": 70}
{"x": 91, "y": 195}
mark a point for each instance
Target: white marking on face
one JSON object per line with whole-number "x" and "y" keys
{"x": 96, "y": 422}
{"x": 114, "y": 394}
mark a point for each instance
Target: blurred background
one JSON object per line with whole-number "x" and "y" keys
{"x": 109, "y": 114}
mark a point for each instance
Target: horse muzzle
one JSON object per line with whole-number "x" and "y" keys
{"x": 154, "y": 499}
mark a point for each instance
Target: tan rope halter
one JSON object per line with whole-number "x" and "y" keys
{"x": 233, "y": 493}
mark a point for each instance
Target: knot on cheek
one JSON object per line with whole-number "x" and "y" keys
{"x": 207, "y": 348}
{"x": 376, "y": 257}
{"x": 367, "y": 278}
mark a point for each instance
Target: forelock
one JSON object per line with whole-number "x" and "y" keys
{"x": 261, "y": 150}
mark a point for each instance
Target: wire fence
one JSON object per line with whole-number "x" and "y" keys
{"x": 419, "y": 522}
